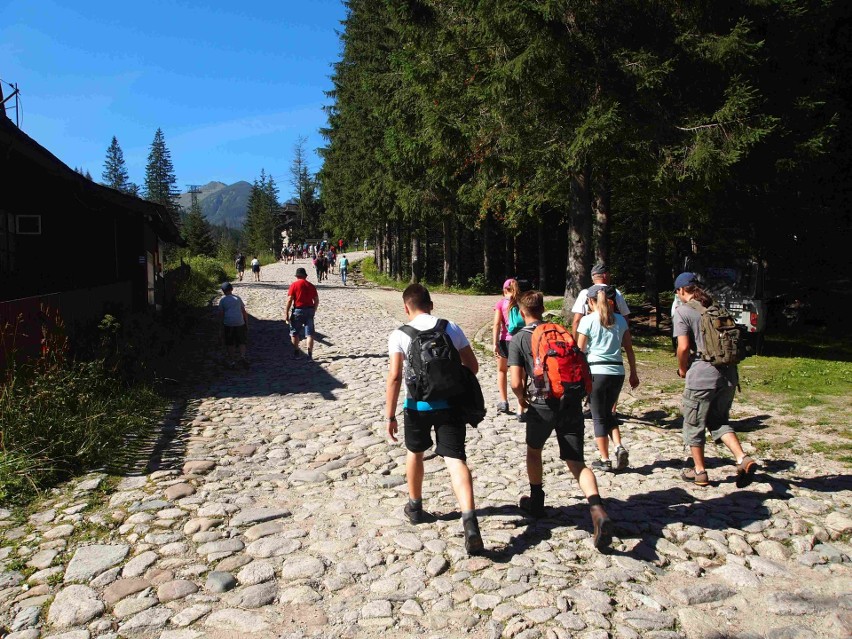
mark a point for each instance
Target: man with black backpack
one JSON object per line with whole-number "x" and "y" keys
{"x": 546, "y": 355}
{"x": 430, "y": 353}
{"x": 708, "y": 351}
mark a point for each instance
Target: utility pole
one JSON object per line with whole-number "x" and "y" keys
{"x": 194, "y": 190}
{"x": 3, "y": 101}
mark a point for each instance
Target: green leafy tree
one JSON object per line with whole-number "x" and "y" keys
{"x": 160, "y": 182}
{"x": 115, "y": 171}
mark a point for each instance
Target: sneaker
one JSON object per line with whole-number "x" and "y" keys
{"x": 297, "y": 354}
{"x": 533, "y": 506}
{"x": 745, "y": 471}
{"x": 603, "y": 465}
{"x": 699, "y": 479}
{"x": 587, "y": 414}
{"x": 521, "y": 417}
{"x": 502, "y": 407}
{"x": 415, "y": 516}
{"x": 472, "y": 538}
{"x": 603, "y": 527}
{"x": 622, "y": 459}
{"x": 310, "y": 355}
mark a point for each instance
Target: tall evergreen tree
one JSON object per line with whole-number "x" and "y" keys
{"x": 259, "y": 226}
{"x": 115, "y": 171}
{"x": 160, "y": 177}
{"x": 198, "y": 233}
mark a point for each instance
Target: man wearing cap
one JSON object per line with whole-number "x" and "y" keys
{"x": 600, "y": 275}
{"x": 302, "y": 297}
{"x": 232, "y": 314}
{"x": 709, "y": 390}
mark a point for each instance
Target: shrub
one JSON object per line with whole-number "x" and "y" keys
{"x": 204, "y": 277}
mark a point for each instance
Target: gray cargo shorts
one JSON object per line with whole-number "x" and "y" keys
{"x": 705, "y": 410}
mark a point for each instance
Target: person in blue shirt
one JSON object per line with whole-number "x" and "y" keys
{"x": 602, "y": 334}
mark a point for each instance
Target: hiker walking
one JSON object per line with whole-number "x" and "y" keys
{"x": 344, "y": 267}
{"x": 255, "y": 268}
{"x": 428, "y": 388}
{"x": 711, "y": 375}
{"x": 541, "y": 352}
{"x": 602, "y": 334}
{"x": 600, "y": 275}
{"x": 233, "y": 320}
{"x": 303, "y": 299}
{"x": 501, "y": 336}
{"x": 240, "y": 264}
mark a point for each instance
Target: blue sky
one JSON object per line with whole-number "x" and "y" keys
{"x": 232, "y": 84}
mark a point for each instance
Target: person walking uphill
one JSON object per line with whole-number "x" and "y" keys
{"x": 429, "y": 387}
{"x": 501, "y": 337}
{"x": 234, "y": 318}
{"x": 303, "y": 298}
{"x": 710, "y": 387}
{"x": 553, "y": 405}
{"x": 602, "y": 333}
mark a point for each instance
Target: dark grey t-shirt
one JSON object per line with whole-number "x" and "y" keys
{"x": 701, "y": 375}
{"x": 520, "y": 354}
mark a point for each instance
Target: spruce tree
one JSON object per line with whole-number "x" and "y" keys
{"x": 260, "y": 222}
{"x": 160, "y": 177}
{"x": 198, "y": 233}
{"x": 115, "y": 171}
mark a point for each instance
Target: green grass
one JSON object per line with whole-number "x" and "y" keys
{"x": 798, "y": 382}
{"x": 475, "y": 285}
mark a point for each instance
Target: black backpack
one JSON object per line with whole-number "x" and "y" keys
{"x": 433, "y": 364}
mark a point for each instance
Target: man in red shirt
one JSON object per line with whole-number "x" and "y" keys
{"x": 302, "y": 297}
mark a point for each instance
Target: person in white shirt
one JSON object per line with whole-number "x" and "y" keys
{"x": 422, "y": 417}
{"x": 234, "y": 327}
{"x": 600, "y": 275}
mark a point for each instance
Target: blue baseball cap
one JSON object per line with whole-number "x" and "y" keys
{"x": 685, "y": 279}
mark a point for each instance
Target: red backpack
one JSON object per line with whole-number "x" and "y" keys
{"x": 557, "y": 362}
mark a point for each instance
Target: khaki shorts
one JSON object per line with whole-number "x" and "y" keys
{"x": 705, "y": 410}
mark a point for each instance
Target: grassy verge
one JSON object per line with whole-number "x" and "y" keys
{"x": 61, "y": 418}
{"x": 476, "y": 285}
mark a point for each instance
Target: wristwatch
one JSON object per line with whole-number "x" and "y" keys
{"x": 392, "y": 418}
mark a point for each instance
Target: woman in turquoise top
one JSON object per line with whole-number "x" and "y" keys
{"x": 602, "y": 333}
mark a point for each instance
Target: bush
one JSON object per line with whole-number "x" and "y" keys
{"x": 205, "y": 276}
{"x": 479, "y": 283}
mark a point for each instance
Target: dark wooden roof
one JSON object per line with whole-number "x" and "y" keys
{"x": 13, "y": 142}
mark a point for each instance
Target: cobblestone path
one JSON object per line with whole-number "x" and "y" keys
{"x": 281, "y": 516}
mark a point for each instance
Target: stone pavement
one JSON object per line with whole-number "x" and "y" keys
{"x": 282, "y": 517}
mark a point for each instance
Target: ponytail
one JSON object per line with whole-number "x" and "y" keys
{"x": 514, "y": 290}
{"x": 699, "y": 294}
{"x": 604, "y": 308}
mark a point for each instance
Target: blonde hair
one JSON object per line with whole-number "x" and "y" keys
{"x": 514, "y": 290}
{"x": 605, "y": 309}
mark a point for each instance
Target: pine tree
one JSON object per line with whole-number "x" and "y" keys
{"x": 198, "y": 233}
{"x": 260, "y": 222}
{"x": 115, "y": 171}
{"x": 160, "y": 177}
{"x": 89, "y": 175}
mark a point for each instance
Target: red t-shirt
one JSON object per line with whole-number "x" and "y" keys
{"x": 303, "y": 293}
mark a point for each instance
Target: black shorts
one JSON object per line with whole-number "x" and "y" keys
{"x": 503, "y": 348}
{"x": 255, "y": 269}
{"x": 449, "y": 432}
{"x": 568, "y": 424}
{"x": 235, "y": 335}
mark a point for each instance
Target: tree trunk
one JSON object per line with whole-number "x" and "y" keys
{"x": 579, "y": 241}
{"x": 386, "y": 244}
{"x": 486, "y": 247}
{"x": 652, "y": 295}
{"x": 397, "y": 253}
{"x": 516, "y": 256}
{"x": 379, "y": 252}
{"x": 457, "y": 266}
{"x": 415, "y": 258}
{"x": 602, "y": 220}
{"x": 426, "y": 254}
{"x": 448, "y": 253}
{"x": 542, "y": 256}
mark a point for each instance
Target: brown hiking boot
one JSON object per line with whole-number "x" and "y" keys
{"x": 699, "y": 479}
{"x": 745, "y": 471}
{"x": 603, "y": 527}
